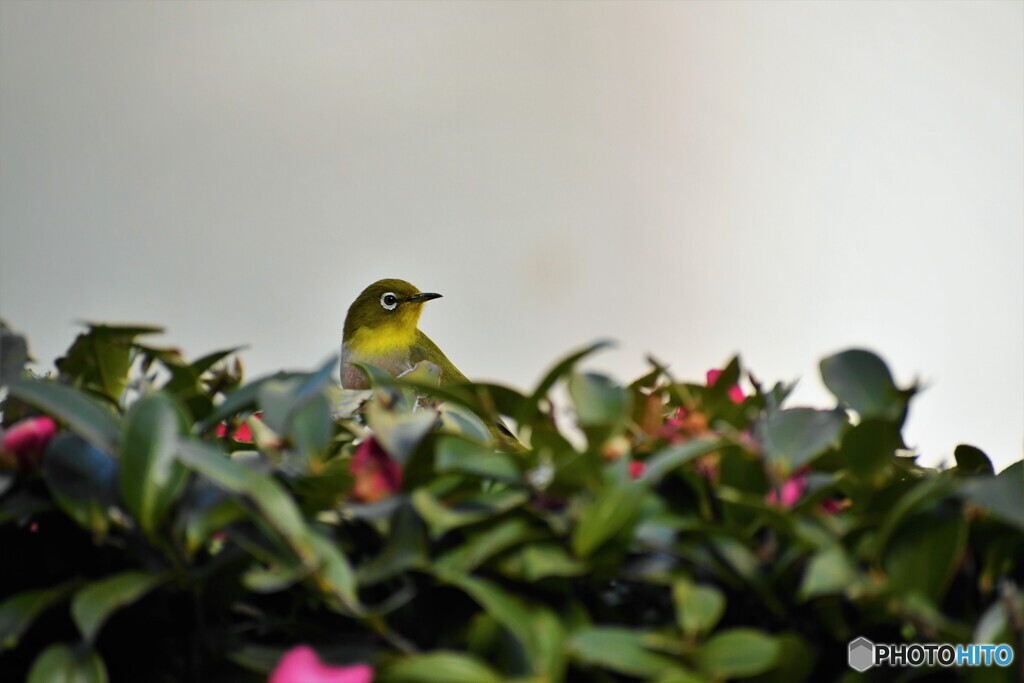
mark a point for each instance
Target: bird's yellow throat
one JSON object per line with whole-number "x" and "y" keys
{"x": 383, "y": 340}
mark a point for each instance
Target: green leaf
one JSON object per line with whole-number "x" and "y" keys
{"x": 334, "y": 574}
{"x": 862, "y": 381}
{"x": 274, "y": 578}
{"x": 536, "y": 561}
{"x": 13, "y": 355}
{"x": 82, "y": 479}
{"x": 619, "y": 649}
{"x": 441, "y": 518}
{"x": 455, "y": 454}
{"x": 670, "y": 459}
{"x": 84, "y": 415}
{"x": 830, "y": 571}
{"x": 151, "y": 477}
{"x": 925, "y": 551}
{"x": 563, "y": 366}
{"x": 19, "y": 611}
{"x": 61, "y": 664}
{"x": 698, "y": 607}
{"x": 99, "y": 358}
{"x": 399, "y": 432}
{"x": 243, "y": 399}
{"x": 599, "y": 401}
{"x": 613, "y": 510}
{"x": 440, "y": 667}
{"x": 275, "y": 506}
{"x": 460, "y": 420}
{"x": 201, "y": 521}
{"x": 797, "y": 436}
{"x": 870, "y": 446}
{"x": 484, "y": 544}
{"x": 971, "y": 461}
{"x": 310, "y": 428}
{"x": 1000, "y": 495}
{"x": 406, "y": 547}
{"x": 508, "y": 611}
{"x": 738, "y": 652}
{"x": 93, "y": 604}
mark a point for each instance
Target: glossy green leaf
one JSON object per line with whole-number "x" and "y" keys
{"x": 243, "y": 399}
{"x": 972, "y": 461}
{"x": 673, "y": 457}
{"x": 621, "y": 650}
{"x": 566, "y": 364}
{"x": 1000, "y": 495}
{"x": 334, "y": 574}
{"x": 440, "y": 667}
{"x": 82, "y": 479}
{"x": 613, "y": 510}
{"x": 870, "y": 446}
{"x": 598, "y": 400}
{"x": 738, "y": 652}
{"x": 797, "y": 436}
{"x": 95, "y": 603}
{"x": 829, "y": 572}
{"x": 405, "y": 548}
{"x": 862, "y": 381}
{"x": 18, "y": 612}
{"x": 698, "y": 606}
{"x": 455, "y": 454}
{"x": 507, "y": 609}
{"x": 399, "y": 433}
{"x": 100, "y": 357}
{"x": 62, "y": 664}
{"x": 83, "y": 414}
{"x": 151, "y": 477}
{"x": 484, "y": 544}
{"x": 276, "y": 508}
{"x": 13, "y": 355}
{"x": 310, "y": 428}
{"x": 441, "y": 517}
{"x": 923, "y": 553}
{"x": 536, "y": 561}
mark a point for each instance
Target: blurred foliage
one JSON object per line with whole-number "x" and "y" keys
{"x": 663, "y": 530}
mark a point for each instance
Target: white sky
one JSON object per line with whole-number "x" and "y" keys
{"x": 777, "y": 179}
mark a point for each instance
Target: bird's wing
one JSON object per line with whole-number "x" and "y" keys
{"x": 426, "y": 349}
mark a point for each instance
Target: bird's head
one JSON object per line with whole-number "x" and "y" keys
{"x": 389, "y": 305}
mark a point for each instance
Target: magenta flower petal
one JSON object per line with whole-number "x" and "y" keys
{"x": 301, "y": 665}
{"x": 736, "y": 394}
{"x": 377, "y": 474}
{"x": 29, "y": 437}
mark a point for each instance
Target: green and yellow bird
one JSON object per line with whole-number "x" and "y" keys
{"x": 381, "y": 329}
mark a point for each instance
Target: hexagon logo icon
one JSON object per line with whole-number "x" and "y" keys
{"x": 861, "y": 655}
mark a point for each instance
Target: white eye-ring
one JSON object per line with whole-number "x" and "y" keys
{"x": 389, "y": 301}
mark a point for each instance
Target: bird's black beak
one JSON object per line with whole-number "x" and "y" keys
{"x": 422, "y": 297}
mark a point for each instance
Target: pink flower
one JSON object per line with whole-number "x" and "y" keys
{"x": 831, "y": 506}
{"x": 735, "y": 392}
{"x": 789, "y": 493}
{"x": 637, "y": 469}
{"x": 377, "y": 475}
{"x": 243, "y": 434}
{"x": 301, "y": 665}
{"x": 683, "y": 425}
{"x": 27, "y": 439}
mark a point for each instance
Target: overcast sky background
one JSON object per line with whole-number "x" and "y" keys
{"x": 781, "y": 180}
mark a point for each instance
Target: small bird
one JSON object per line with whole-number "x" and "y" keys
{"x": 381, "y": 329}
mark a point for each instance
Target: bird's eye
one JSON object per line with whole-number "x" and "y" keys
{"x": 389, "y": 301}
